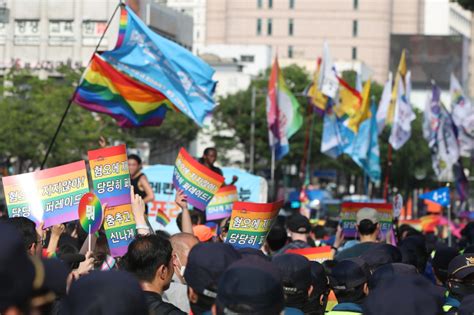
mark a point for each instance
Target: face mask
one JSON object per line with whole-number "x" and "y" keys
{"x": 181, "y": 270}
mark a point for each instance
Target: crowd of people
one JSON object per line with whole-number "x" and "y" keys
{"x": 51, "y": 271}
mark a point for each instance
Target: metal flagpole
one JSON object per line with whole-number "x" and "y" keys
{"x": 252, "y": 131}
{"x": 449, "y": 218}
{"x": 53, "y": 140}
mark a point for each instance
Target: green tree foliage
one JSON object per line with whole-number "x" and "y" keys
{"x": 232, "y": 119}
{"x": 466, "y": 4}
{"x": 31, "y": 110}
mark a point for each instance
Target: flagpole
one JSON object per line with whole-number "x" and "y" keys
{"x": 71, "y": 100}
{"x": 449, "y": 218}
{"x": 387, "y": 176}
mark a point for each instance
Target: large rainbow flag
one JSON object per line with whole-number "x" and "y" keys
{"x": 143, "y": 76}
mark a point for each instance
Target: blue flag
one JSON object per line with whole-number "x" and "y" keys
{"x": 336, "y": 135}
{"x": 163, "y": 65}
{"x": 365, "y": 148}
{"x": 439, "y": 196}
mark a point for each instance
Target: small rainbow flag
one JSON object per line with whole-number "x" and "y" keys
{"x": 104, "y": 89}
{"x": 162, "y": 218}
{"x": 213, "y": 227}
{"x": 319, "y": 254}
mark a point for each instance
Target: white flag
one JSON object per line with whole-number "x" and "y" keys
{"x": 328, "y": 82}
{"x": 404, "y": 115}
{"x": 384, "y": 104}
{"x": 463, "y": 117}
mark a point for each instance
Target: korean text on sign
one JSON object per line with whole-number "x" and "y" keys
{"x": 110, "y": 175}
{"x": 197, "y": 181}
{"x": 119, "y": 225}
{"x": 349, "y": 212}
{"x": 50, "y": 195}
{"x": 251, "y": 222}
{"x": 220, "y": 206}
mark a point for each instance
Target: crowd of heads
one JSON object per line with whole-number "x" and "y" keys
{"x": 184, "y": 273}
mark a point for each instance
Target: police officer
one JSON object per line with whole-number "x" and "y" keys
{"x": 460, "y": 281}
{"x": 348, "y": 280}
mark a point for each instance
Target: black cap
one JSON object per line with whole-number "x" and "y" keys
{"x": 387, "y": 272}
{"x": 381, "y": 254}
{"x": 442, "y": 257}
{"x": 206, "y": 263}
{"x": 250, "y": 282}
{"x": 249, "y": 251}
{"x": 349, "y": 273}
{"x": 461, "y": 266}
{"x": 319, "y": 279}
{"x": 298, "y": 223}
{"x": 404, "y": 294}
{"x": 106, "y": 293}
{"x": 17, "y": 271}
{"x": 295, "y": 271}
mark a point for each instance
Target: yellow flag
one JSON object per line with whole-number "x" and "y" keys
{"x": 350, "y": 100}
{"x": 364, "y": 112}
{"x": 402, "y": 71}
{"x": 318, "y": 99}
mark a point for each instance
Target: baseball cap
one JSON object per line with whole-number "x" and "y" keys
{"x": 106, "y": 293}
{"x": 298, "y": 223}
{"x": 387, "y": 272}
{"x": 295, "y": 271}
{"x": 252, "y": 252}
{"x": 349, "y": 273}
{"x": 206, "y": 263}
{"x": 367, "y": 214}
{"x": 249, "y": 282}
{"x": 461, "y": 266}
{"x": 441, "y": 259}
{"x": 381, "y": 254}
{"x": 404, "y": 294}
{"x": 202, "y": 232}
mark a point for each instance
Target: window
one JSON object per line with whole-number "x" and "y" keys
{"x": 247, "y": 58}
{"x": 269, "y": 27}
{"x": 26, "y": 32}
{"x": 292, "y": 4}
{"x": 354, "y": 28}
{"x": 354, "y": 53}
{"x": 259, "y": 4}
{"x": 290, "y": 51}
{"x": 355, "y": 4}
{"x": 61, "y": 32}
{"x": 270, "y": 4}
{"x": 259, "y": 26}
{"x": 92, "y": 31}
{"x": 290, "y": 27}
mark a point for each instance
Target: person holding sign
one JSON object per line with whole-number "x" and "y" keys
{"x": 208, "y": 159}
{"x": 139, "y": 180}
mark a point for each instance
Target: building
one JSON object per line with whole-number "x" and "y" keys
{"x": 43, "y": 34}
{"x": 358, "y": 30}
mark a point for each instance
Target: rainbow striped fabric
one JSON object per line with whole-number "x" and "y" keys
{"x": 162, "y": 218}
{"x": 105, "y": 90}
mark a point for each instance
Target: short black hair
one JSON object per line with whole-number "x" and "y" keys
{"x": 208, "y": 150}
{"x": 277, "y": 237}
{"x": 136, "y": 158}
{"x": 146, "y": 254}
{"x": 195, "y": 216}
{"x": 367, "y": 227}
{"x": 319, "y": 231}
{"x": 414, "y": 253}
{"x": 27, "y": 229}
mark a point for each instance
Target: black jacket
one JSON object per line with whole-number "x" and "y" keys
{"x": 156, "y": 306}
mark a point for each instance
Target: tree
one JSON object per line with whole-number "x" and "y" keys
{"x": 31, "y": 110}
{"x": 232, "y": 120}
{"x": 466, "y": 4}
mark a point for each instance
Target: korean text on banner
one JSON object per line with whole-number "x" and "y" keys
{"x": 198, "y": 182}
{"x": 119, "y": 226}
{"x": 110, "y": 175}
{"x": 319, "y": 254}
{"x": 220, "y": 206}
{"x": 349, "y": 212}
{"x": 251, "y": 222}
{"x": 50, "y": 196}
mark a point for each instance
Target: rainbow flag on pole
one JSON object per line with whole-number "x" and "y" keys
{"x": 283, "y": 115}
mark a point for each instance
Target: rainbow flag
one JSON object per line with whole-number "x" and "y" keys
{"x": 319, "y": 254}
{"x": 162, "y": 218}
{"x": 199, "y": 183}
{"x": 104, "y": 89}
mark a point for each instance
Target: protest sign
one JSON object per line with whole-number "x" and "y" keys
{"x": 319, "y": 254}
{"x": 110, "y": 175}
{"x": 249, "y": 188}
{"x": 119, "y": 225}
{"x": 50, "y": 196}
{"x": 251, "y": 222}
{"x": 197, "y": 181}
{"x": 349, "y": 211}
{"x": 90, "y": 213}
{"x": 220, "y": 206}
